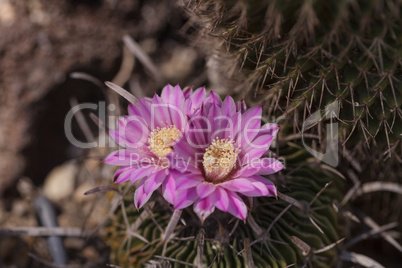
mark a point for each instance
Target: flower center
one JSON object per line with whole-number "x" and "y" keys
{"x": 219, "y": 159}
{"x": 161, "y": 140}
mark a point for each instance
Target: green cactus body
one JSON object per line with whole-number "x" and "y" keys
{"x": 299, "y": 56}
{"x": 219, "y": 242}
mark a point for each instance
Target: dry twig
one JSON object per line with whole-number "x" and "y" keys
{"x": 43, "y": 231}
{"x": 142, "y": 57}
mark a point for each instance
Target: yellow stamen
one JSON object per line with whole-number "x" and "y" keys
{"x": 161, "y": 140}
{"x": 219, "y": 159}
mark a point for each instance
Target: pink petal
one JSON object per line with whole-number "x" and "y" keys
{"x": 250, "y": 186}
{"x": 114, "y": 134}
{"x": 160, "y": 113}
{"x": 184, "y": 151}
{"x": 237, "y": 185}
{"x": 198, "y": 132}
{"x": 144, "y": 108}
{"x": 223, "y": 126}
{"x": 189, "y": 107}
{"x": 188, "y": 180}
{"x": 214, "y": 98}
{"x": 236, "y": 128}
{"x": 197, "y": 98}
{"x": 270, "y": 128}
{"x": 228, "y": 106}
{"x": 166, "y": 113}
{"x": 218, "y": 122}
{"x": 124, "y": 157}
{"x": 133, "y": 109}
{"x": 203, "y": 208}
{"x": 179, "y": 163}
{"x": 260, "y": 188}
{"x": 261, "y": 166}
{"x": 241, "y": 106}
{"x": 213, "y": 111}
{"x": 269, "y": 132}
{"x": 221, "y": 199}
{"x": 128, "y": 173}
{"x": 153, "y": 181}
{"x": 205, "y": 189}
{"x": 185, "y": 198}
{"x": 269, "y": 166}
{"x": 122, "y": 174}
{"x": 173, "y": 95}
{"x": 187, "y": 92}
{"x": 140, "y": 197}
{"x": 169, "y": 188}
{"x": 166, "y": 91}
{"x": 236, "y": 206}
{"x": 136, "y": 131}
{"x": 141, "y": 173}
{"x": 250, "y": 117}
{"x": 256, "y": 148}
{"x": 270, "y": 186}
{"x": 178, "y": 117}
{"x": 250, "y": 125}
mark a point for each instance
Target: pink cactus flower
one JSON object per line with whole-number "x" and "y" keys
{"x": 220, "y": 159}
{"x": 148, "y": 133}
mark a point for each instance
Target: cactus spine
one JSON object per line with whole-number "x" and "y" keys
{"x": 299, "y": 56}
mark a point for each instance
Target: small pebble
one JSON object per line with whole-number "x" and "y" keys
{"x": 60, "y": 182}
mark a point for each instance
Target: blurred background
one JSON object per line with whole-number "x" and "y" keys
{"x": 42, "y": 42}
